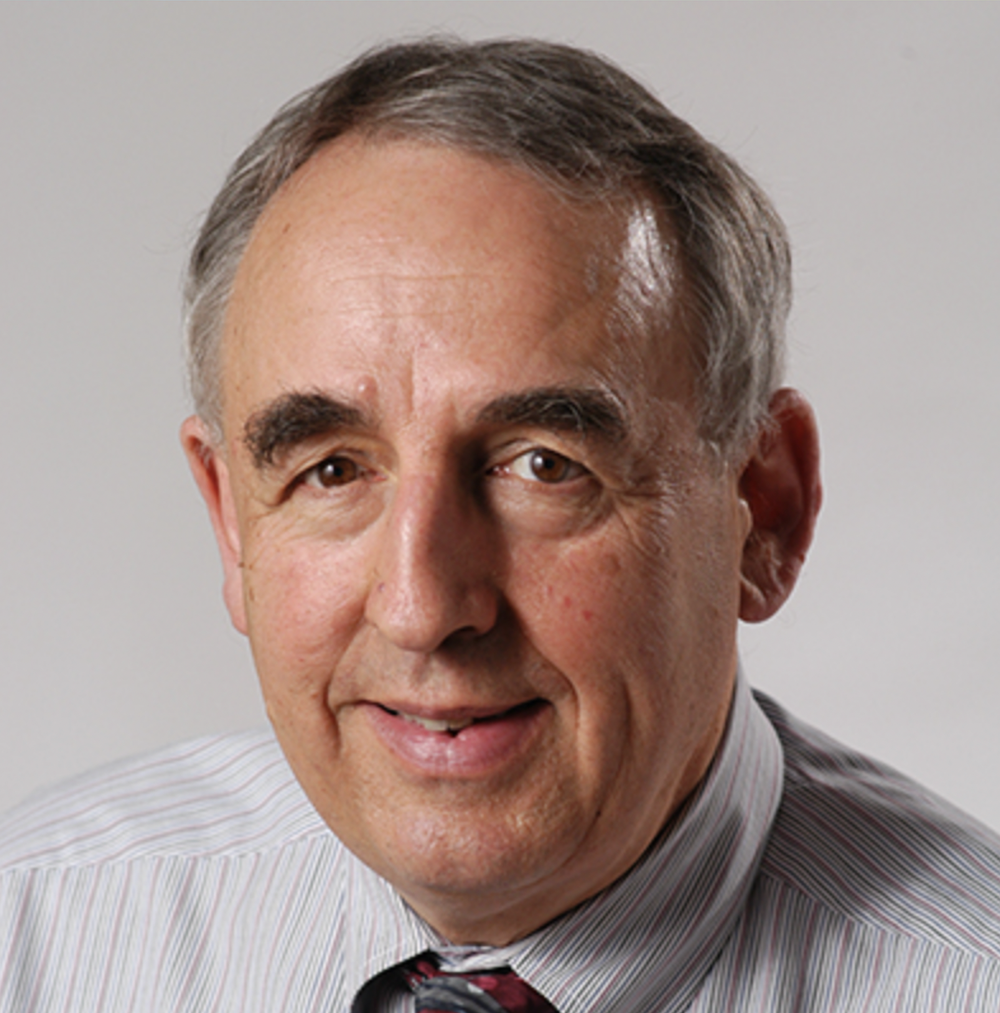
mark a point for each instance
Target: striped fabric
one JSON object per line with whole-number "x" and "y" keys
{"x": 801, "y": 878}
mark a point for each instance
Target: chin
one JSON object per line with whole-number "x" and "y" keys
{"x": 471, "y": 858}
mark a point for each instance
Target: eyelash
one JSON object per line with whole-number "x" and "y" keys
{"x": 537, "y": 464}
{"x": 539, "y": 460}
{"x": 312, "y": 475}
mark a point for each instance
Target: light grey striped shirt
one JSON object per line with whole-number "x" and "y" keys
{"x": 801, "y": 878}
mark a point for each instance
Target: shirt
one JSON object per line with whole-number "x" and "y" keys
{"x": 800, "y": 877}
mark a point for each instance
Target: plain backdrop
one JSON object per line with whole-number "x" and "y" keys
{"x": 875, "y": 127}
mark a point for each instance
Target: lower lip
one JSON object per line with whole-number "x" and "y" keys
{"x": 479, "y": 749}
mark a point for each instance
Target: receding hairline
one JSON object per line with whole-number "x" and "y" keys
{"x": 571, "y": 118}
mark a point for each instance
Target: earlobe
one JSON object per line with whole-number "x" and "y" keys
{"x": 211, "y": 474}
{"x": 781, "y": 487}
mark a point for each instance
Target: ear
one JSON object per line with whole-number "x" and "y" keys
{"x": 212, "y": 476}
{"x": 781, "y": 487}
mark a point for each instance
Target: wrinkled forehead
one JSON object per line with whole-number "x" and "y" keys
{"x": 395, "y": 227}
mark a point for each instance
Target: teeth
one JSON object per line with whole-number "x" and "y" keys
{"x": 435, "y": 725}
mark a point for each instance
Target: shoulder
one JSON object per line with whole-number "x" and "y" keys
{"x": 210, "y": 796}
{"x": 199, "y": 876}
{"x": 864, "y": 845}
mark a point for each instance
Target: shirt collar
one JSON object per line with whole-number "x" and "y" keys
{"x": 647, "y": 941}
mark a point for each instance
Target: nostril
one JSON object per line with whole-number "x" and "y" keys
{"x": 464, "y": 633}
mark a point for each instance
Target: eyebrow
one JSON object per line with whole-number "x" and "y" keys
{"x": 298, "y": 416}
{"x": 583, "y": 411}
{"x": 293, "y": 418}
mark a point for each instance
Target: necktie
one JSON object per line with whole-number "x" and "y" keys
{"x": 494, "y": 991}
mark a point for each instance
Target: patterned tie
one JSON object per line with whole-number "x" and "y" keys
{"x": 495, "y": 991}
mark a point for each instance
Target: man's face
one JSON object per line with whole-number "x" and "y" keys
{"x": 489, "y": 574}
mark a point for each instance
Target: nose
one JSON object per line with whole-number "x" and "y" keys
{"x": 432, "y": 580}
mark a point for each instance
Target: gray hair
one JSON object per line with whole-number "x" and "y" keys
{"x": 572, "y": 119}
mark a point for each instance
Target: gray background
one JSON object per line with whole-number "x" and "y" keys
{"x": 874, "y": 126}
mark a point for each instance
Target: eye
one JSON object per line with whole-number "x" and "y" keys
{"x": 332, "y": 472}
{"x": 541, "y": 465}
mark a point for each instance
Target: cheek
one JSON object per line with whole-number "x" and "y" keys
{"x": 565, "y": 592}
{"x": 303, "y": 601}
{"x": 636, "y": 618}
{"x": 603, "y": 587}
{"x": 586, "y": 610}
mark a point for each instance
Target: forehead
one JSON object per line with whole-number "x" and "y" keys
{"x": 383, "y": 197}
{"x": 391, "y": 254}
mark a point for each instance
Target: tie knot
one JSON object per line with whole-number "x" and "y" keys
{"x": 498, "y": 990}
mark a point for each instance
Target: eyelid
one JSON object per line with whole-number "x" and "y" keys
{"x": 510, "y": 467}
{"x": 308, "y": 475}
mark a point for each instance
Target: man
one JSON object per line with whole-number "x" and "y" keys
{"x": 485, "y": 352}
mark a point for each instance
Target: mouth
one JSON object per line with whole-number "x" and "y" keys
{"x": 453, "y": 725}
{"x": 461, "y": 743}
{"x": 435, "y": 724}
